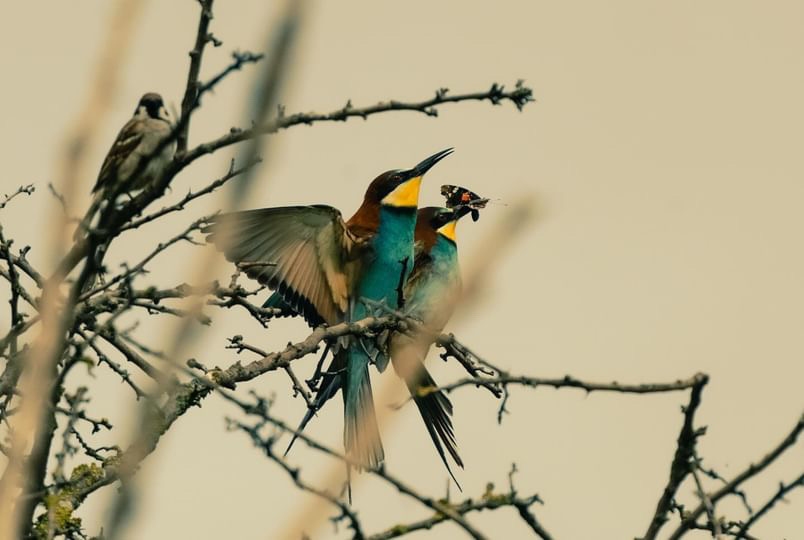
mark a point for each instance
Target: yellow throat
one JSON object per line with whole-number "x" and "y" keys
{"x": 448, "y": 230}
{"x": 406, "y": 194}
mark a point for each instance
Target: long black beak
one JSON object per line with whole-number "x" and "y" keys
{"x": 428, "y": 163}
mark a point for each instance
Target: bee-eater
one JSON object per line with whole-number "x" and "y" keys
{"x": 323, "y": 267}
{"x": 430, "y": 296}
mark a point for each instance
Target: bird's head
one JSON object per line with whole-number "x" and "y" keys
{"x": 152, "y": 106}
{"x": 400, "y": 188}
{"x": 434, "y": 221}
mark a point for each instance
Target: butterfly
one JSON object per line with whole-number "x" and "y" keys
{"x": 463, "y": 199}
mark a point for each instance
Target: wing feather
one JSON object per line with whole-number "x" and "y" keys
{"x": 123, "y": 146}
{"x": 310, "y": 249}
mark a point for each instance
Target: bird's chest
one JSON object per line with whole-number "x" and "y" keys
{"x": 150, "y": 143}
{"x": 392, "y": 255}
{"x": 433, "y": 297}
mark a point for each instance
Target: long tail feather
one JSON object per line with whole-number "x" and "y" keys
{"x": 436, "y": 412}
{"x": 361, "y": 433}
{"x": 331, "y": 382}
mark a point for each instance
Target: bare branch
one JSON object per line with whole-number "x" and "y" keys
{"x": 191, "y": 91}
{"x": 519, "y": 96}
{"x": 778, "y": 496}
{"x": 267, "y": 446}
{"x": 28, "y": 190}
{"x": 435, "y": 505}
{"x": 571, "y": 382}
{"x": 752, "y": 470}
{"x": 679, "y": 469}
{"x": 192, "y": 195}
{"x": 717, "y": 532}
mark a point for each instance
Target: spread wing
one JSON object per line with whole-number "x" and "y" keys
{"x": 127, "y": 140}
{"x": 306, "y": 253}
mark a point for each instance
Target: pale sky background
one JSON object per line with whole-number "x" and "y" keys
{"x": 665, "y": 147}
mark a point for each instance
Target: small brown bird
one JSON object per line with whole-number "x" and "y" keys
{"x": 138, "y": 140}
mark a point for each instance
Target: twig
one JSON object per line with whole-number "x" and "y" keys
{"x": 94, "y": 453}
{"x": 570, "y": 382}
{"x": 60, "y": 198}
{"x": 139, "y": 267}
{"x": 16, "y": 288}
{"x": 192, "y": 195}
{"x": 519, "y": 96}
{"x": 779, "y": 496}
{"x": 103, "y": 359}
{"x": 717, "y": 533}
{"x": 267, "y": 447}
{"x": 298, "y": 389}
{"x": 749, "y": 472}
{"x": 685, "y": 450}
{"x": 81, "y": 415}
{"x": 192, "y": 88}
{"x": 429, "y": 502}
{"x": 28, "y": 190}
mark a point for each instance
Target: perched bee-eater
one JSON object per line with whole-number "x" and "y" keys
{"x": 324, "y": 267}
{"x": 430, "y": 293}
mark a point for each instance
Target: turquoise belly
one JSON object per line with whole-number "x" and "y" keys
{"x": 393, "y": 255}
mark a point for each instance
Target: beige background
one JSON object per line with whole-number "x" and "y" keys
{"x": 665, "y": 146}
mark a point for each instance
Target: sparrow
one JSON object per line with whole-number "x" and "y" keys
{"x": 138, "y": 139}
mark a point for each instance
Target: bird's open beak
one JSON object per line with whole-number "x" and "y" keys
{"x": 406, "y": 193}
{"x": 428, "y": 163}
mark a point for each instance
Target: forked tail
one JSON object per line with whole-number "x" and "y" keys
{"x": 436, "y": 411}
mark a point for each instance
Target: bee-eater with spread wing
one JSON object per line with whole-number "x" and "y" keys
{"x": 430, "y": 293}
{"x": 324, "y": 267}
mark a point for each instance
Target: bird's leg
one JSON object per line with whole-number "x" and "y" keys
{"x": 400, "y": 292}
{"x": 313, "y": 381}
